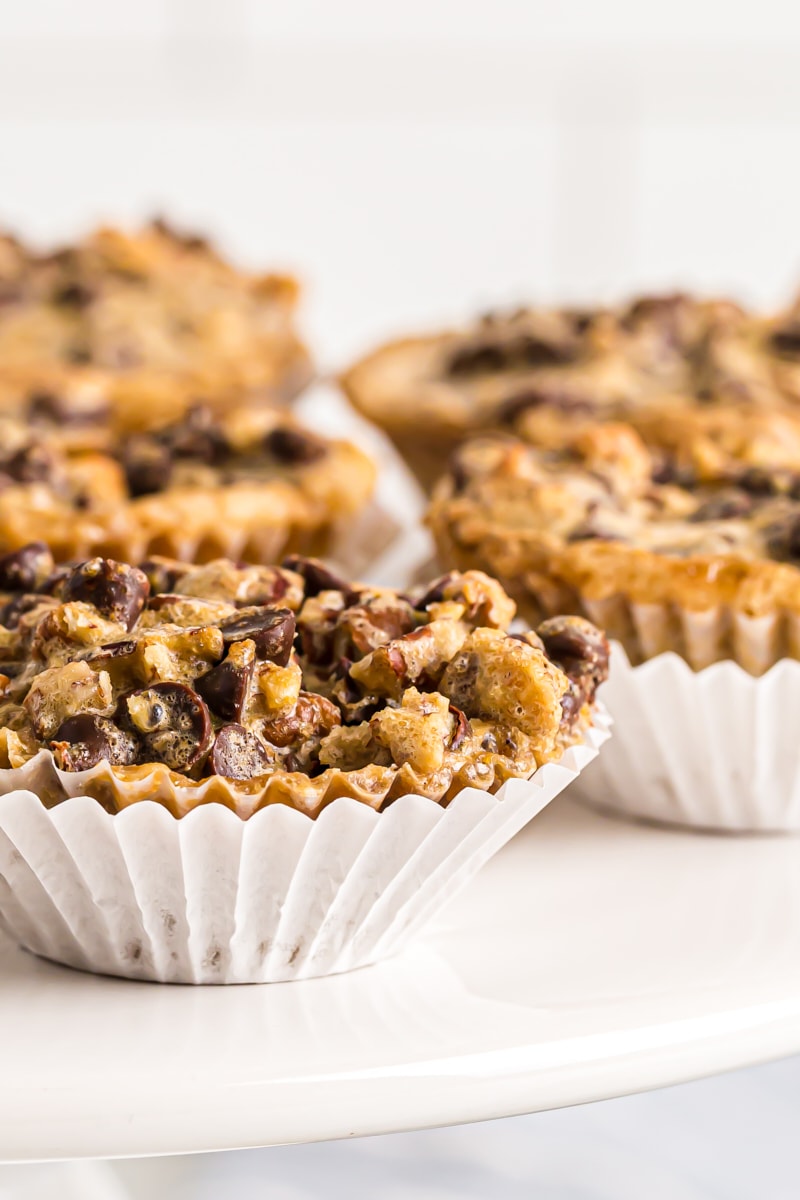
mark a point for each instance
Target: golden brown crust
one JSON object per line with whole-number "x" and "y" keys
{"x": 590, "y": 529}
{"x": 142, "y": 325}
{"x": 251, "y": 686}
{"x": 541, "y": 373}
{"x": 253, "y": 484}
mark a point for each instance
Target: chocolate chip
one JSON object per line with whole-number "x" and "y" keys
{"x": 116, "y": 590}
{"x": 73, "y": 294}
{"x": 436, "y": 591}
{"x": 11, "y": 612}
{"x": 173, "y": 723}
{"x": 295, "y": 447}
{"x": 723, "y": 507}
{"x": 460, "y": 729}
{"x": 759, "y": 481}
{"x": 238, "y": 754}
{"x": 316, "y": 576}
{"x": 24, "y": 569}
{"x": 272, "y": 630}
{"x": 197, "y": 437}
{"x": 476, "y": 358}
{"x": 78, "y": 353}
{"x": 579, "y": 648}
{"x": 786, "y": 341}
{"x": 147, "y": 465}
{"x": 782, "y": 538}
{"x": 225, "y": 687}
{"x": 84, "y": 740}
{"x": 30, "y": 464}
{"x": 163, "y": 574}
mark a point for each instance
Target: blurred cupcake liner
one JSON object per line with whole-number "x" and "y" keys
{"x": 702, "y": 637}
{"x": 715, "y": 748}
{"x": 212, "y": 898}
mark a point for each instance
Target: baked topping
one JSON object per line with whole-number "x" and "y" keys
{"x": 253, "y": 672}
{"x": 198, "y": 484}
{"x": 699, "y": 495}
{"x": 117, "y": 318}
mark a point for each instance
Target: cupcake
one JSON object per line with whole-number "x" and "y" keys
{"x": 138, "y": 326}
{"x": 687, "y": 550}
{"x": 224, "y": 773}
{"x": 252, "y": 483}
{"x": 558, "y": 368}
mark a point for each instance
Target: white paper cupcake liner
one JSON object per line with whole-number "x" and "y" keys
{"x": 701, "y": 637}
{"x": 212, "y": 898}
{"x": 715, "y": 749}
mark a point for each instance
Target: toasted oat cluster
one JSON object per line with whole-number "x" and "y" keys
{"x": 135, "y": 326}
{"x": 284, "y": 676}
{"x": 706, "y": 514}
{"x": 254, "y": 481}
{"x": 553, "y": 369}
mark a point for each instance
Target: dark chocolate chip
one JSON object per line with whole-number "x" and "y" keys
{"x": 786, "y": 341}
{"x": 724, "y": 507}
{"x": 147, "y": 465}
{"x": 224, "y": 688}
{"x": 272, "y": 630}
{"x": 73, "y": 294}
{"x": 116, "y": 590}
{"x": 316, "y": 576}
{"x": 782, "y": 538}
{"x": 30, "y": 464}
{"x": 11, "y": 612}
{"x": 24, "y": 569}
{"x": 173, "y": 723}
{"x": 197, "y": 437}
{"x": 436, "y": 590}
{"x": 475, "y": 358}
{"x": 579, "y": 648}
{"x": 164, "y": 575}
{"x": 84, "y": 740}
{"x": 295, "y": 447}
{"x": 238, "y": 754}
{"x": 759, "y": 481}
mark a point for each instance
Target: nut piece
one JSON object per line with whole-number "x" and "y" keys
{"x": 61, "y": 692}
{"x": 504, "y": 680}
{"x": 225, "y": 687}
{"x": 270, "y": 629}
{"x": 239, "y": 754}
{"x": 415, "y": 733}
{"x": 173, "y": 723}
{"x": 85, "y": 740}
{"x": 116, "y": 590}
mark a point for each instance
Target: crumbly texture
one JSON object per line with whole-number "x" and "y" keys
{"x": 708, "y": 516}
{"x": 282, "y": 683}
{"x": 553, "y": 370}
{"x": 254, "y": 483}
{"x": 136, "y": 326}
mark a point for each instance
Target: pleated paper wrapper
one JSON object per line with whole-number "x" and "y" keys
{"x": 212, "y": 898}
{"x": 704, "y": 637}
{"x": 716, "y": 749}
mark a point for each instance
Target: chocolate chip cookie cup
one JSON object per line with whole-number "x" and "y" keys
{"x": 689, "y": 553}
{"x": 140, "y": 325}
{"x": 251, "y": 484}
{"x": 554, "y": 369}
{"x": 222, "y": 773}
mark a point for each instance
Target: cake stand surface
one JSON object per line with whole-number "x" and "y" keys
{"x": 591, "y": 958}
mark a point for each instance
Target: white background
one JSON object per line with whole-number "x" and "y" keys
{"x": 415, "y": 160}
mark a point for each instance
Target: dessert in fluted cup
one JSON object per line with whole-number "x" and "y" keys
{"x": 137, "y": 326}
{"x": 305, "y": 763}
{"x": 556, "y": 369}
{"x": 253, "y": 483}
{"x": 687, "y": 550}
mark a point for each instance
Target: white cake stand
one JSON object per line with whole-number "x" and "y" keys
{"x": 590, "y": 959}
